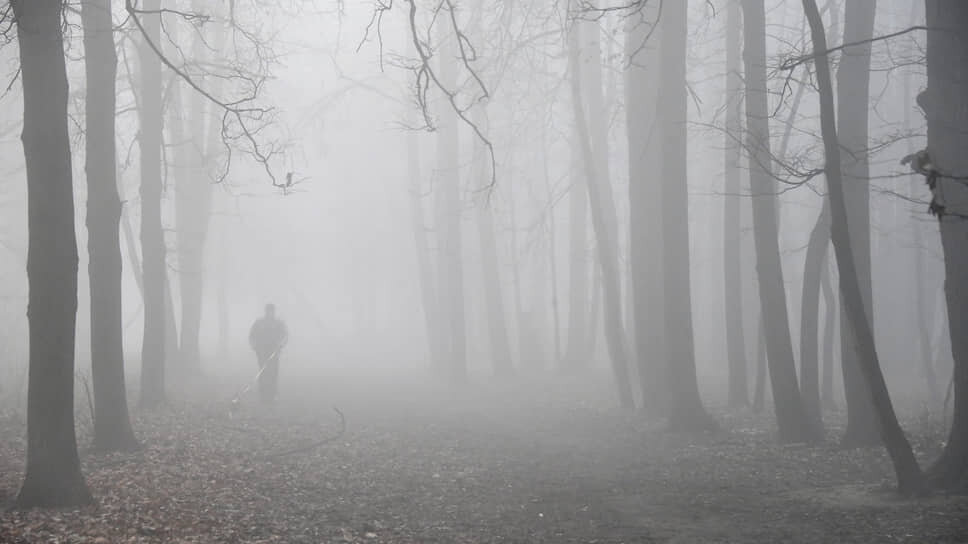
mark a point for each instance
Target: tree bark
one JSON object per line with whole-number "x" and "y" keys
{"x": 946, "y": 104}
{"x": 792, "y": 422}
{"x": 152, "y": 236}
{"x": 732, "y": 267}
{"x": 686, "y": 411}
{"x": 909, "y": 477}
{"x": 53, "y": 477}
{"x": 112, "y": 425}
{"x": 853, "y": 90}
{"x": 603, "y": 217}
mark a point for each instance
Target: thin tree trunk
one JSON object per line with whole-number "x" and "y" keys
{"x": 576, "y": 351}
{"x": 759, "y": 390}
{"x": 829, "y": 321}
{"x": 450, "y": 290}
{"x": 193, "y": 197}
{"x": 603, "y": 220}
{"x": 152, "y": 236}
{"x": 946, "y": 104}
{"x": 53, "y": 476}
{"x": 813, "y": 268}
{"x": 732, "y": 268}
{"x": 909, "y": 476}
{"x": 552, "y": 249}
{"x": 645, "y": 208}
{"x": 792, "y": 422}
{"x": 493, "y": 299}
{"x": 112, "y": 425}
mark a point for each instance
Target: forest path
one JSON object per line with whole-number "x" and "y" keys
{"x": 545, "y": 461}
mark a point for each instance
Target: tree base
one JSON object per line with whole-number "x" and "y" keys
{"x": 48, "y": 491}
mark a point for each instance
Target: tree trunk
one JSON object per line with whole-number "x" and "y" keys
{"x": 645, "y": 208}
{"x": 53, "y": 476}
{"x": 792, "y": 422}
{"x": 759, "y": 390}
{"x": 193, "y": 197}
{"x": 829, "y": 321}
{"x": 853, "y": 89}
{"x": 946, "y": 104}
{"x": 425, "y": 273}
{"x": 112, "y": 425}
{"x": 603, "y": 214}
{"x": 686, "y": 411}
{"x": 813, "y": 268}
{"x": 152, "y": 236}
{"x": 451, "y": 272}
{"x": 576, "y": 351}
{"x": 909, "y": 476}
{"x": 732, "y": 267}
{"x": 493, "y": 299}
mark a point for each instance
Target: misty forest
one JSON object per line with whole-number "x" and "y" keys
{"x": 307, "y": 271}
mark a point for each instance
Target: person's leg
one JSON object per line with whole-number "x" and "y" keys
{"x": 263, "y": 380}
{"x": 271, "y": 376}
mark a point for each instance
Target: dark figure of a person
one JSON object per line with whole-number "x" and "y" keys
{"x": 267, "y": 338}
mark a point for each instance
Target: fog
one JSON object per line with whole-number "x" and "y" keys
{"x": 545, "y": 271}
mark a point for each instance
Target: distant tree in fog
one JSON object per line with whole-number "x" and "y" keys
{"x": 53, "y": 476}
{"x": 112, "y": 425}
{"x": 588, "y": 106}
{"x": 686, "y": 410}
{"x": 642, "y": 35}
{"x": 152, "y": 236}
{"x": 738, "y": 389}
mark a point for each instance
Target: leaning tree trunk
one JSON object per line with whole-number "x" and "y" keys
{"x": 53, "y": 476}
{"x": 853, "y": 84}
{"x": 686, "y": 411}
{"x": 792, "y": 422}
{"x": 645, "y": 208}
{"x": 152, "y": 236}
{"x": 112, "y": 426}
{"x": 732, "y": 266}
{"x": 603, "y": 218}
{"x": 946, "y": 104}
{"x": 909, "y": 476}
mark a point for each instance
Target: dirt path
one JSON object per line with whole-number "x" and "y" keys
{"x": 484, "y": 464}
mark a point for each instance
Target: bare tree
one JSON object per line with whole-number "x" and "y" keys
{"x": 732, "y": 266}
{"x": 792, "y": 422}
{"x": 53, "y": 476}
{"x": 592, "y": 137}
{"x": 909, "y": 477}
{"x": 112, "y": 425}
{"x": 853, "y": 90}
